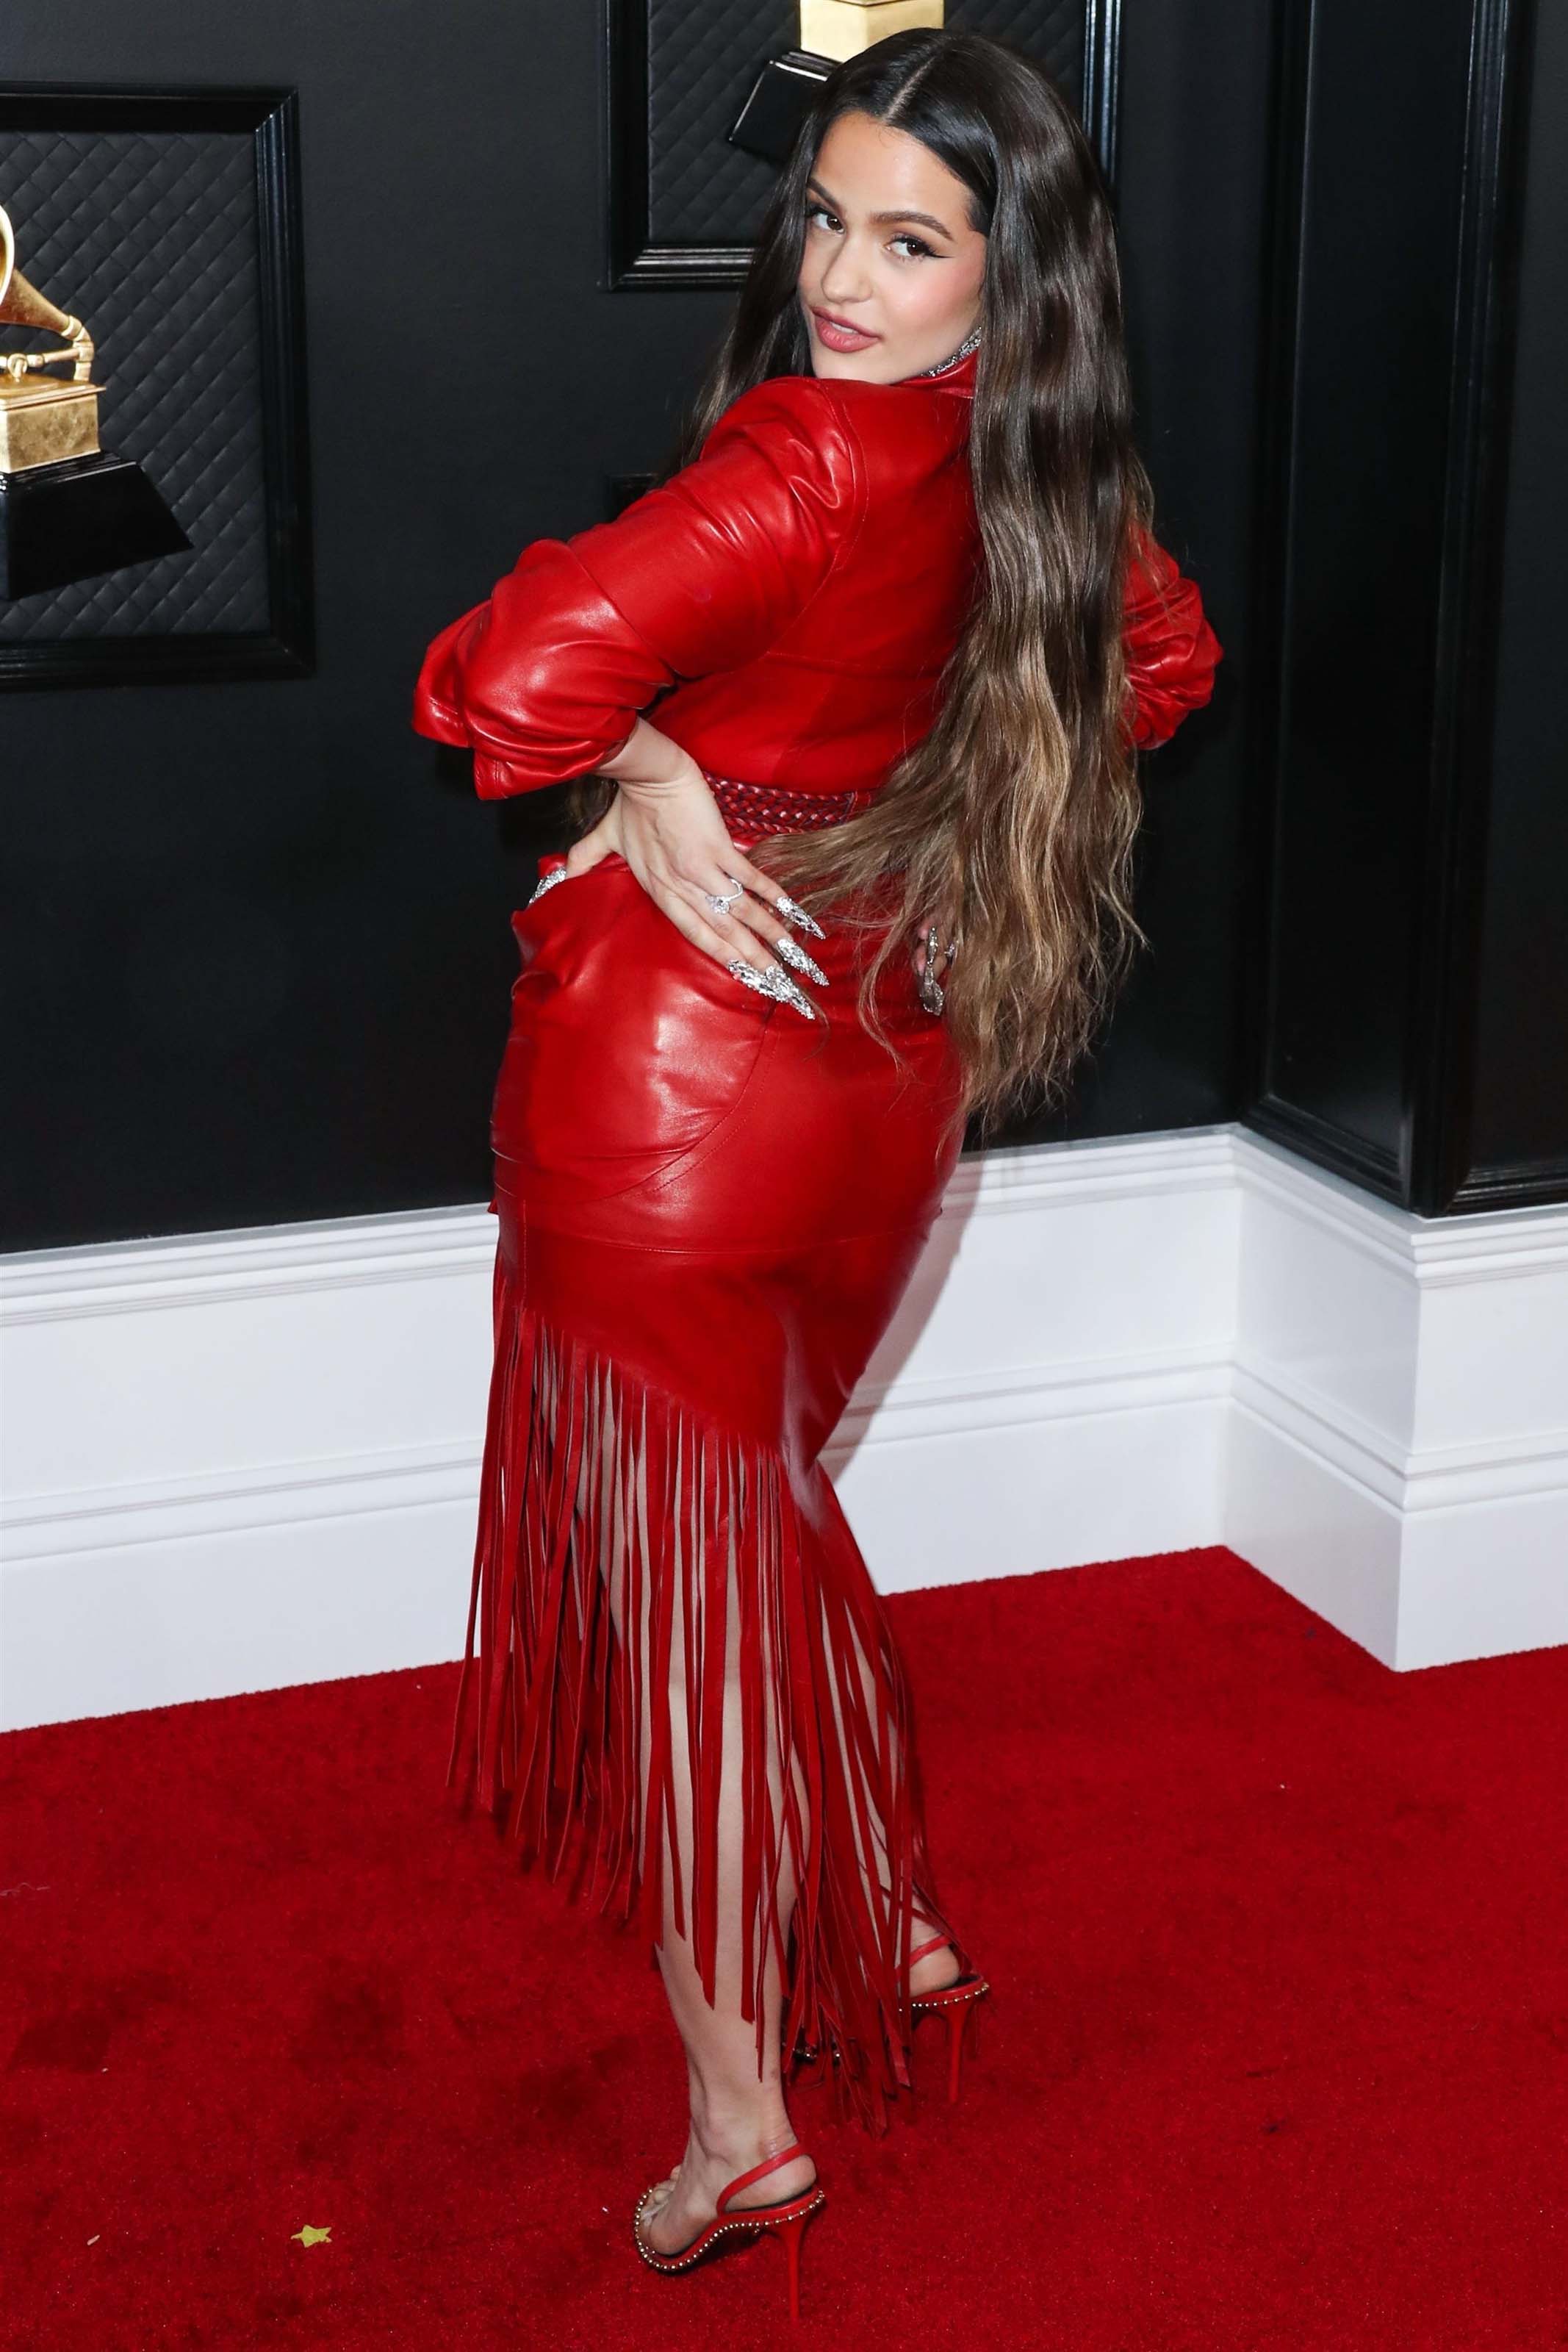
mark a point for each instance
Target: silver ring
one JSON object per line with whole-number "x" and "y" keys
{"x": 720, "y": 903}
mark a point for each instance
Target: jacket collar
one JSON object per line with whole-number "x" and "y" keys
{"x": 957, "y": 376}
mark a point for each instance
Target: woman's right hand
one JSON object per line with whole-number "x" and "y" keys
{"x": 671, "y": 834}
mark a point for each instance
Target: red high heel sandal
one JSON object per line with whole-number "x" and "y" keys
{"x": 789, "y": 2219}
{"x": 957, "y": 2002}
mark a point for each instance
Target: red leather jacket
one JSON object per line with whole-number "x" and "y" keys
{"x": 789, "y": 599}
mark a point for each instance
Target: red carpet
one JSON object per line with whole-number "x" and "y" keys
{"x": 1277, "y": 2054}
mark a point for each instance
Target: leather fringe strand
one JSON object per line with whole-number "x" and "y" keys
{"x": 620, "y": 1533}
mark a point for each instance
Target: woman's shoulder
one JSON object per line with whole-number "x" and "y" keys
{"x": 779, "y": 451}
{"x": 787, "y": 414}
{"x": 864, "y": 435}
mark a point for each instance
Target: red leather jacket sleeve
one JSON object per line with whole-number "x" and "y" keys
{"x": 1172, "y": 652}
{"x": 547, "y": 678}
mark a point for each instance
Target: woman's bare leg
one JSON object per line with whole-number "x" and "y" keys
{"x": 941, "y": 1967}
{"x": 737, "y": 2112}
{"x": 737, "y": 2118}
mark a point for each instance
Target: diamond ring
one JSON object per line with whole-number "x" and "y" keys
{"x": 720, "y": 901}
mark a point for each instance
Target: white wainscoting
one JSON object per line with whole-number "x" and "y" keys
{"x": 1399, "y": 1438}
{"x": 249, "y": 1459}
{"x": 1056, "y": 1386}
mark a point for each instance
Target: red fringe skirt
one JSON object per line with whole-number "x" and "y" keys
{"x": 708, "y": 1210}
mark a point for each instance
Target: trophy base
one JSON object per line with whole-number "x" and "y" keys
{"x": 776, "y": 104}
{"x": 831, "y": 31}
{"x": 77, "y": 519}
{"x": 43, "y": 422}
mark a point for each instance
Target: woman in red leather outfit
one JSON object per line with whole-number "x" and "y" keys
{"x": 868, "y": 674}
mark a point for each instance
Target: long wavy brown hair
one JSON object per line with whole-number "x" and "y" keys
{"x": 1012, "y": 823}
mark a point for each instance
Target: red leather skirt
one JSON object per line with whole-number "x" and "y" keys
{"x": 708, "y": 1210}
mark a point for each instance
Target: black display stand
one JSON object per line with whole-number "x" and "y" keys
{"x": 78, "y": 519}
{"x": 778, "y": 103}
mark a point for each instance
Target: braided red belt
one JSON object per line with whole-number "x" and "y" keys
{"x": 755, "y": 810}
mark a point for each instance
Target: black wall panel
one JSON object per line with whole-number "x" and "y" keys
{"x": 1383, "y": 95}
{"x": 1402, "y": 178}
{"x": 1194, "y": 165}
{"x": 255, "y": 943}
{"x": 1366, "y": 553}
{"x": 1518, "y": 1142}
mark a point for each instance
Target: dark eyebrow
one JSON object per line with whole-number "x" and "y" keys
{"x": 927, "y": 219}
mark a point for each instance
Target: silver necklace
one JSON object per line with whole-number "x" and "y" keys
{"x": 964, "y": 348}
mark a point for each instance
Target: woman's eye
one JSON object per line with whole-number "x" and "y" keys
{"x": 906, "y": 237}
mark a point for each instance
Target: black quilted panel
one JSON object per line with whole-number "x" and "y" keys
{"x": 702, "y": 57}
{"x": 152, "y": 239}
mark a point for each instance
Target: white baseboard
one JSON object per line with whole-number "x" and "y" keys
{"x": 1054, "y": 1388}
{"x": 250, "y": 1459}
{"x": 1399, "y": 1434}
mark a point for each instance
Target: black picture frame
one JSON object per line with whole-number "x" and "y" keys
{"x": 638, "y": 257}
{"x": 285, "y": 646}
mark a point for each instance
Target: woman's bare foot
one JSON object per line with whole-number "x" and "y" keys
{"x": 680, "y": 2208}
{"x": 937, "y": 1969}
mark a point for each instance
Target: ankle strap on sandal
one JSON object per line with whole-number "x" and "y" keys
{"x": 769, "y": 2164}
{"x": 932, "y": 1944}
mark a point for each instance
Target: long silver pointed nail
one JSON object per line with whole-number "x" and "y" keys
{"x": 791, "y": 913}
{"x": 776, "y": 983}
{"x": 795, "y": 955}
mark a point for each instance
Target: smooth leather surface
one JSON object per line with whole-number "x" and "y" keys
{"x": 726, "y": 1199}
{"x": 785, "y": 603}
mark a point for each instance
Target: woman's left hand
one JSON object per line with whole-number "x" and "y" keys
{"x": 947, "y": 946}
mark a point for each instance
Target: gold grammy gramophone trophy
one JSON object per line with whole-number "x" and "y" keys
{"x": 831, "y": 31}
{"x": 42, "y": 420}
{"x": 68, "y": 510}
